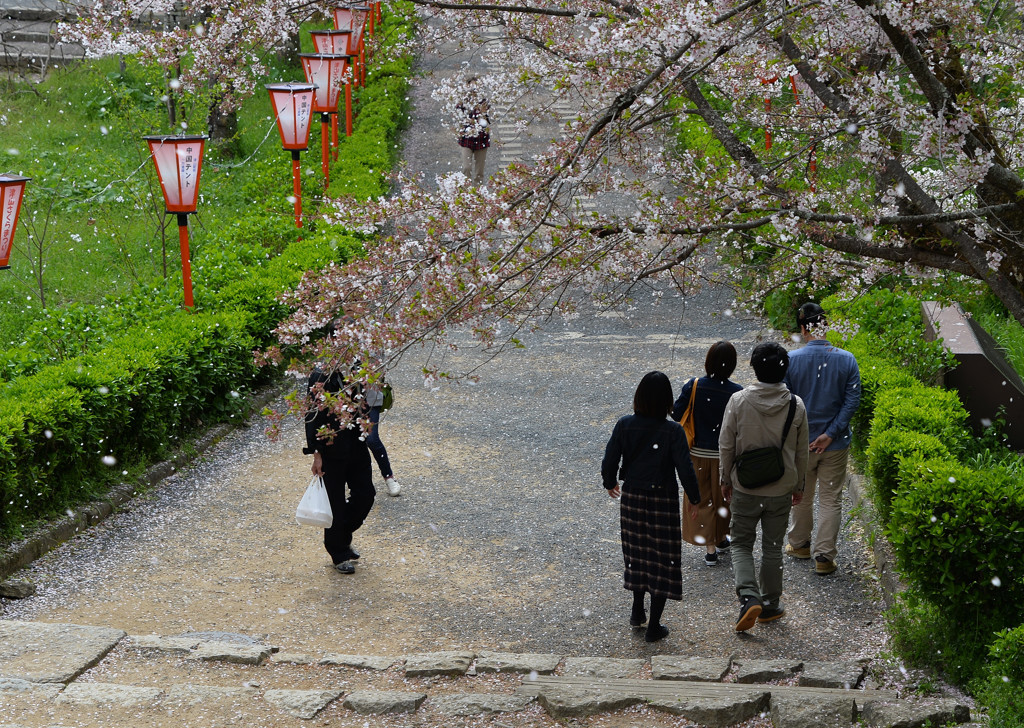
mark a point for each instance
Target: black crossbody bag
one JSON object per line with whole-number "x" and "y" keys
{"x": 764, "y": 465}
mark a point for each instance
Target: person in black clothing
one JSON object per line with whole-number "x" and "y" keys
{"x": 652, "y": 450}
{"x": 341, "y": 459}
{"x": 711, "y": 527}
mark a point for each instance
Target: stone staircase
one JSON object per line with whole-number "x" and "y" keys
{"x": 63, "y": 674}
{"x": 28, "y": 35}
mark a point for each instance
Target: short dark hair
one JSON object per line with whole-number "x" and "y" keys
{"x": 720, "y": 362}
{"x": 770, "y": 362}
{"x": 653, "y": 396}
{"x": 810, "y": 314}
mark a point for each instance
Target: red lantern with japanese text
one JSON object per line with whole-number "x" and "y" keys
{"x": 12, "y": 191}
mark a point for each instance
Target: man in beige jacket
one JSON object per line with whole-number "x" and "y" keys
{"x": 755, "y": 418}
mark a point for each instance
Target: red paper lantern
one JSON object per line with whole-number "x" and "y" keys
{"x": 293, "y": 109}
{"x": 179, "y": 162}
{"x": 12, "y": 190}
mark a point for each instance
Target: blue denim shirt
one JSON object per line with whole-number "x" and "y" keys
{"x": 828, "y": 381}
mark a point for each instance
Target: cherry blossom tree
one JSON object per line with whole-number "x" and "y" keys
{"x": 810, "y": 141}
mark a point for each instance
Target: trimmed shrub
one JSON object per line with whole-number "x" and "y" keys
{"x": 887, "y": 452}
{"x": 958, "y": 534}
{"x": 929, "y": 410}
{"x": 876, "y": 375}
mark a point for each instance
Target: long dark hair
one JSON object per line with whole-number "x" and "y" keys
{"x": 653, "y": 396}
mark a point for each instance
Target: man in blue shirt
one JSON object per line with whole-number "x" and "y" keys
{"x": 828, "y": 381}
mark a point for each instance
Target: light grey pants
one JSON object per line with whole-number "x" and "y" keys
{"x": 473, "y": 164}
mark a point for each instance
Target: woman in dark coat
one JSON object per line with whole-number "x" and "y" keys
{"x": 652, "y": 450}
{"x": 711, "y": 527}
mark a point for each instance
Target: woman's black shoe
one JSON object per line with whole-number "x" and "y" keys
{"x": 638, "y": 619}
{"x": 655, "y": 633}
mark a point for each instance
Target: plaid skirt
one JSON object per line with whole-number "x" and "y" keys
{"x": 652, "y": 542}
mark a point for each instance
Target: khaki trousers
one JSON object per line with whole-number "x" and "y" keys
{"x": 473, "y": 164}
{"x": 826, "y": 474}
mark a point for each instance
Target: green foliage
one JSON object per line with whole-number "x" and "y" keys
{"x": 1002, "y": 690}
{"x": 890, "y": 326}
{"x": 928, "y": 410}
{"x": 888, "y": 450}
{"x": 925, "y": 636}
{"x": 1009, "y": 334}
{"x": 957, "y": 534}
{"x": 876, "y": 375}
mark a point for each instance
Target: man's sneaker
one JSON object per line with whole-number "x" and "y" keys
{"x": 770, "y": 614}
{"x": 823, "y": 565}
{"x": 802, "y": 552}
{"x": 394, "y": 488}
{"x": 724, "y": 544}
{"x": 749, "y": 613}
{"x": 711, "y": 559}
{"x": 345, "y": 567}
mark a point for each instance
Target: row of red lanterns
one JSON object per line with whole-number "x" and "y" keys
{"x": 179, "y": 159}
{"x": 340, "y": 60}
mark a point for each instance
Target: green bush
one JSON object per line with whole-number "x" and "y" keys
{"x": 887, "y": 451}
{"x": 1002, "y": 693}
{"x": 876, "y": 375}
{"x": 890, "y": 326}
{"x": 928, "y": 410}
{"x": 957, "y": 535}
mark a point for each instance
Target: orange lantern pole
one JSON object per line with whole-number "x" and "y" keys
{"x": 179, "y": 162}
{"x": 293, "y": 110}
{"x": 12, "y": 192}
{"x": 326, "y": 71}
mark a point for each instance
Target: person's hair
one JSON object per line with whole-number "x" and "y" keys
{"x": 810, "y": 314}
{"x": 653, "y": 396}
{"x": 720, "y": 362}
{"x": 770, "y": 362}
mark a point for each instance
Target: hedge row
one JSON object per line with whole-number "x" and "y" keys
{"x": 94, "y": 389}
{"x": 952, "y": 511}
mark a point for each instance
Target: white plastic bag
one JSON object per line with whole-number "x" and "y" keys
{"x": 315, "y": 507}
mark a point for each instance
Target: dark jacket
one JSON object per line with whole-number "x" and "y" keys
{"x": 346, "y": 444}
{"x": 708, "y": 408}
{"x": 652, "y": 452}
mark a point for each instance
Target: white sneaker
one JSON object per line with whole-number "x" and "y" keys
{"x": 394, "y": 487}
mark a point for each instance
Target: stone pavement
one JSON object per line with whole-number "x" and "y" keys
{"x": 62, "y": 675}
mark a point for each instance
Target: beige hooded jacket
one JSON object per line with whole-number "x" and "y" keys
{"x": 754, "y": 417}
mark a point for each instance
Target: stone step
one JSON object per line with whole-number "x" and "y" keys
{"x": 38, "y": 54}
{"x": 36, "y": 10}
{"x": 63, "y": 674}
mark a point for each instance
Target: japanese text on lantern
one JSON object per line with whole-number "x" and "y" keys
{"x": 7, "y": 227}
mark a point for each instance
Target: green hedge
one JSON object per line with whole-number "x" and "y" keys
{"x": 928, "y": 410}
{"x": 876, "y": 375}
{"x": 958, "y": 536}
{"x": 66, "y": 426}
{"x": 887, "y": 452}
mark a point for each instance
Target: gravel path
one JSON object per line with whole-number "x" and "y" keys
{"x": 502, "y": 538}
